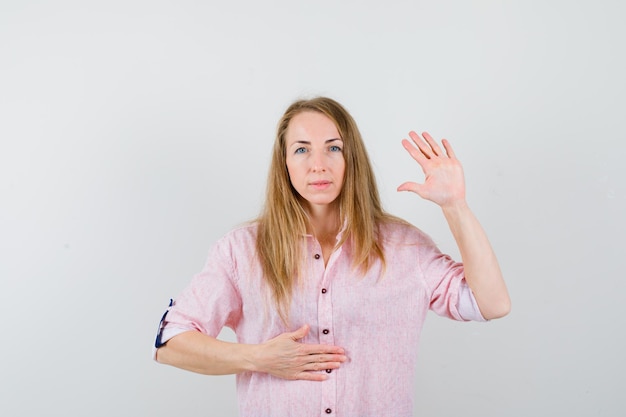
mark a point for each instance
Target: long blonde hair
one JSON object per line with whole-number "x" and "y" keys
{"x": 283, "y": 221}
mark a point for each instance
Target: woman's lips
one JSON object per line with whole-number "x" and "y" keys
{"x": 320, "y": 185}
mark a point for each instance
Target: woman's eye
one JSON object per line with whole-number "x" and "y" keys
{"x": 301, "y": 149}
{"x": 335, "y": 148}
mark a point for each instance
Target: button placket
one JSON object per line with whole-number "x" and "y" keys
{"x": 325, "y": 323}
{"x": 325, "y": 329}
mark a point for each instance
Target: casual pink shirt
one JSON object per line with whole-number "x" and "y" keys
{"x": 376, "y": 318}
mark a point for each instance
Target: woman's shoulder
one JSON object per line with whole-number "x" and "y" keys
{"x": 241, "y": 234}
{"x": 238, "y": 239}
{"x": 396, "y": 230}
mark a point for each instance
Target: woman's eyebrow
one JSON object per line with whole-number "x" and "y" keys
{"x": 306, "y": 142}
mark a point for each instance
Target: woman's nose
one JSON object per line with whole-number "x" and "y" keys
{"x": 318, "y": 162}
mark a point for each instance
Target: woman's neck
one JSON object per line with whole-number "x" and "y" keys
{"x": 324, "y": 222}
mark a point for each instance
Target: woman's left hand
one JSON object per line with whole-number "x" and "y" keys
{"x": 444, "y": 182}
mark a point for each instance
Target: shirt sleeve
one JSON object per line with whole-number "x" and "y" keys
{"x": 467, "y": 305}
{"x": 450, "y": 296}
{"x": 210, "y": 302}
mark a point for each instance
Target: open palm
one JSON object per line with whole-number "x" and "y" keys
{"x": 444, "y": 182}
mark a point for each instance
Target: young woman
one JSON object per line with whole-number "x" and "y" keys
{"x": 326, "y": 292}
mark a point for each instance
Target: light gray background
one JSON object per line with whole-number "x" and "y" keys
{"x": 134, "y": 133}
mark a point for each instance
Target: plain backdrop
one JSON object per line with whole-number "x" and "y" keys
{"x": 135, "y": 133}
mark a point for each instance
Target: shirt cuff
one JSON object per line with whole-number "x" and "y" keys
{"x": 166, "y": 334}
{"x": 467, "y": 306}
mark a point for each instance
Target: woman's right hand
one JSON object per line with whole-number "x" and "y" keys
{"x": 285, "y": 357}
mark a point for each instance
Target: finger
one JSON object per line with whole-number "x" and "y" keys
{"x": 410, "y": 186}
{"x": 321, "y": 366}
{"x": 448, "y": 148}
{"x": 327, "y": 358}
{"x": 308, "y": 349}
{"x": 312, "y": 376}
{"x": 421, "y": 144}
{"x": 416, "y": 153}
{"x": 300, "y": 333}
{"x": 432, "y": 143}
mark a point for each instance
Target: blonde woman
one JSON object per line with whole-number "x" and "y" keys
{"x": 326, "y": 292}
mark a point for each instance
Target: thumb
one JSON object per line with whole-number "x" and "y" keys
{"x": 411, "y": 186}
{"x": 300, "y": 333}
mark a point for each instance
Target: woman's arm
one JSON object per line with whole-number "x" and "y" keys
{"x": 482, "y": 271}
{"x": 282, "y": 356}
{"x": 444, "y": 184}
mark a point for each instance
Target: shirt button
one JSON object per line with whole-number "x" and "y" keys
{"x": 328, "y": 411}
{"x": 317, "y": 256}
{"x": 325, "y": 331}
{"x": 323, "y": 290}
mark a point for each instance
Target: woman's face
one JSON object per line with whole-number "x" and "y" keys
{"x": 315, "y": 162}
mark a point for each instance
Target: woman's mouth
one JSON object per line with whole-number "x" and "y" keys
{"x": 320, "y": 185}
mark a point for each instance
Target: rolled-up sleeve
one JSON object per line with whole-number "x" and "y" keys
{"x": 467, "y": 305}
{"x": 210, "y": 302}
{"x": 450, "y": 296}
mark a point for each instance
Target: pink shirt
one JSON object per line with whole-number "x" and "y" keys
{"x": 376, "y": 319}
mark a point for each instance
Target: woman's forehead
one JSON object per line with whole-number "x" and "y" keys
{"x": 311, "y": 126}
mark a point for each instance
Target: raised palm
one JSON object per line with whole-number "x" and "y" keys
{"x": 444, "y": 182}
